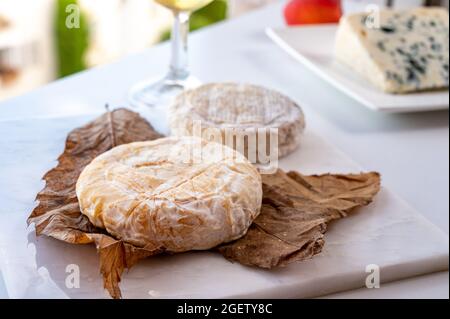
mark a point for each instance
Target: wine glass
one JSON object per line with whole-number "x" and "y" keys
{"x": 159, "y": 93}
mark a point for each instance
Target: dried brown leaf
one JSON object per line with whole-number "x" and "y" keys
{"x": 294, "y": 216}
{"x": 58, "y": 214}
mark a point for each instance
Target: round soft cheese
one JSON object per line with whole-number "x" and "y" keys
{"x": 178, "y": 193}
{"x": 238, "y": 109}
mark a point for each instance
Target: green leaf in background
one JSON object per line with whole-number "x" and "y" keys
{"x": 71, "y": 43}
{"x": 214, "y": 12}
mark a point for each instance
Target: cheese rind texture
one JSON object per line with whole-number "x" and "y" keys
{"x": 398, "y": 51}
{"x": 233, "y": 109}
{"x": 178, "y": 194}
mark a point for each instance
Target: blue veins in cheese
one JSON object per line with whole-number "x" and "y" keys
{"x": 398, "y": 51}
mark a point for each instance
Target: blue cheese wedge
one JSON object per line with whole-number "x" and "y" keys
{"x": 398, "y": 51}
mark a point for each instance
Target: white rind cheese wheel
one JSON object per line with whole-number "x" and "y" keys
{"x": 176, "y": 193}
{"x": 238, "y": 107}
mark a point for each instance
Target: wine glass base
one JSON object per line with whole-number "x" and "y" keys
{"x": 160, "y": 93}
{"x": 152, "y": 98}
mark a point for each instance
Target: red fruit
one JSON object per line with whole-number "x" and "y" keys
{"x": 312, "y": 11}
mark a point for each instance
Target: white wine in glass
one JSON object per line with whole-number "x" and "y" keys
{"x": 160, "y": 93}
{"x": 184, "y": 5}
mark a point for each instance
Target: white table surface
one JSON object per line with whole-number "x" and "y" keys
{"x": 410, "y": 150}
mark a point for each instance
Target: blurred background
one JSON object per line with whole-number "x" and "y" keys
{"x": 36, "y": 47}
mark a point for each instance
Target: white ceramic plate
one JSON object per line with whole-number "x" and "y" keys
{"x": 313, "y": 47}
{"x": 388, "y": 233}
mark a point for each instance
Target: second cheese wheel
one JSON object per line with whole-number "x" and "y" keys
{"x": 239, "y": 108}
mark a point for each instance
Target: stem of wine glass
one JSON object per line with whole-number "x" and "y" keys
{"x": 179, "y": 65}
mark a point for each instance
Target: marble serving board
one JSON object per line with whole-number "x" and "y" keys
{"x": 388, "y": 233}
